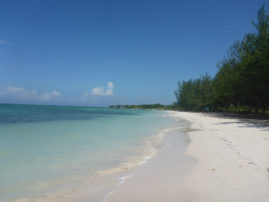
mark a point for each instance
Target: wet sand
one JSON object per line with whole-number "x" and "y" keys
{"x": 162, "y": 177}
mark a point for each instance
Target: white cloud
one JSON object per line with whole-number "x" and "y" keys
{"x": 100, "y": 91}
{"x": 110, "y": 85}
{"x": 25, "y": 94}
{"x": 109, "y": 92}
{"x": 49, "y": 96}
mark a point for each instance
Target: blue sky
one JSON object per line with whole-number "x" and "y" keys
{"x": 98, "y": 53}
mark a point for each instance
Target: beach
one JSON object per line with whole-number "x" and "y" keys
{"x": 119, "y": 155}
{"x": 223, "y": 159}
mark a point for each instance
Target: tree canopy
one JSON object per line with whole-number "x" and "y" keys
{"x": 242, "y": 81}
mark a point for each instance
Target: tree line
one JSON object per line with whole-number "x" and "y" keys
{"x": 144, "y": 106}
{"x": 242, "y": 81}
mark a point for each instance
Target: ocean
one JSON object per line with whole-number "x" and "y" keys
{"x": 64, "y": 153}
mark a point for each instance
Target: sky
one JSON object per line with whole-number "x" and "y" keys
{"x": 99, "y": 53}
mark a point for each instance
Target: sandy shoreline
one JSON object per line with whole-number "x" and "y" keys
{"x": 232, "y": 164}
{"x": 162, "y": 177}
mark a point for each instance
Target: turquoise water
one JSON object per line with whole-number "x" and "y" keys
{"x": 43, "y": 148}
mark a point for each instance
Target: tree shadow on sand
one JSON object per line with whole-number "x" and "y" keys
{"x": 246, "y": 120}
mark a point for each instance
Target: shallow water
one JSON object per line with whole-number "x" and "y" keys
{"x": 47, "y": 150}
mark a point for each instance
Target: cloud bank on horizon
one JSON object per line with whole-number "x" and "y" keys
{"x": 24, "y": 95}
{"x": 20, "y": 93}
{"x": 49, "y": 96}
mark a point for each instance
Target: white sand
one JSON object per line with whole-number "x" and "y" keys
{"x": 161, "y": 179}
{"x": 232, "y": 165}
